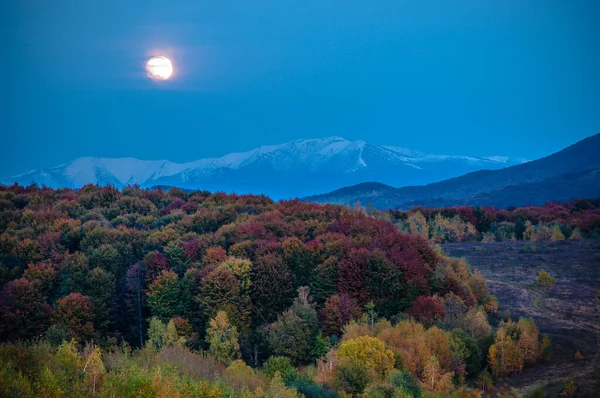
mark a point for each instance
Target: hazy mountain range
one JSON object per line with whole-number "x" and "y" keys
{"x": 294, "y": 169}
{"x": 571, "y": 173}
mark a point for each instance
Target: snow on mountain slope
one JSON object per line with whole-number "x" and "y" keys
{"x": 297, "y": 168}
{"x": 124, "y": 170}
{"x": 571, "y": 173}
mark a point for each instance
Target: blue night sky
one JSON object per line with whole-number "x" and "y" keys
{"x": 511, "y": 77}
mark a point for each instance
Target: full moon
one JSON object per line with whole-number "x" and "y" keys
{"x": 159, "y": 68}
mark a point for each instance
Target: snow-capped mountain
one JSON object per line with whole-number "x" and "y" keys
{"x": 297, "y": 168}
{"x": 571, "y": 173}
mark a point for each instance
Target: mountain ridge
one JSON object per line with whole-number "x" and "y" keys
{"x": 559, "y": 176}
{"x": 293, "y": 169}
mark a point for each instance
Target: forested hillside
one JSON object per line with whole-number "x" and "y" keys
{"x": 321, "y": 298}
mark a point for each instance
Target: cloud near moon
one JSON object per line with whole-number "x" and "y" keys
{"x": 159, "y": 68}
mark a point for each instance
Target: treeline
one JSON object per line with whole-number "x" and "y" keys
{"x": 553, "y": 221}
{"x": 239, "y": 280}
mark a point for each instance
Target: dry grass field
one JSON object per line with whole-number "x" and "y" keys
{"x": 569, "y": 312}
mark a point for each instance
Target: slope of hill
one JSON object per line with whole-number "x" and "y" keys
{"x": 256, "y": 282}
{"x": 570, "y": 173}
{"x": 297, "y": 168}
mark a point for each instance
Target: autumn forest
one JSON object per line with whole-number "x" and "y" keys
{"x": 152, "y": 293}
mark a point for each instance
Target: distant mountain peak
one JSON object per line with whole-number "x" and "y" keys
{"x": 297, "y": 168}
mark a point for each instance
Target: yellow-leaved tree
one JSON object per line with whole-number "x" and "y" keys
{"x": 223, "y": 338}
{"x": 557, "y": 233}
{"x": 435, "y": 380}
{"x": 370, "y": 352}
{"x": 418, "y": 224}
{"x": 528, "y": 340}
{"x": 94, "y": 367}
{"x": 515, "y": 345}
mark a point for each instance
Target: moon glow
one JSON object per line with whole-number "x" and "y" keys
{"x": 159, "y": 68}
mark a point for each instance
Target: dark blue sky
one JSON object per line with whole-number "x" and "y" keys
{"x": 518, "y": 78}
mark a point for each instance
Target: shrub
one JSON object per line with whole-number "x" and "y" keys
{"x": 380, "y": 390}
{"x": 191, "y": 363}
{"x": 557, "y": 233}
{"x": 575, "y": 235}
{"x": 14, "y": 383}
{"x": 545, "y": 280}
{"x": 569, "y": 389}
{"x": 310, "y": 389}
{"x": 404, "y": 381}
{"x": 278, "y": 389}
{"x": 351, "y": 377}
{"x": 280, "y": 364}
{"x": 537, "y": 393}
{"x": 241, "y": 376}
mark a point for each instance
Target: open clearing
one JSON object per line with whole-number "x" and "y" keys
{"x": 569, "y": 312}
